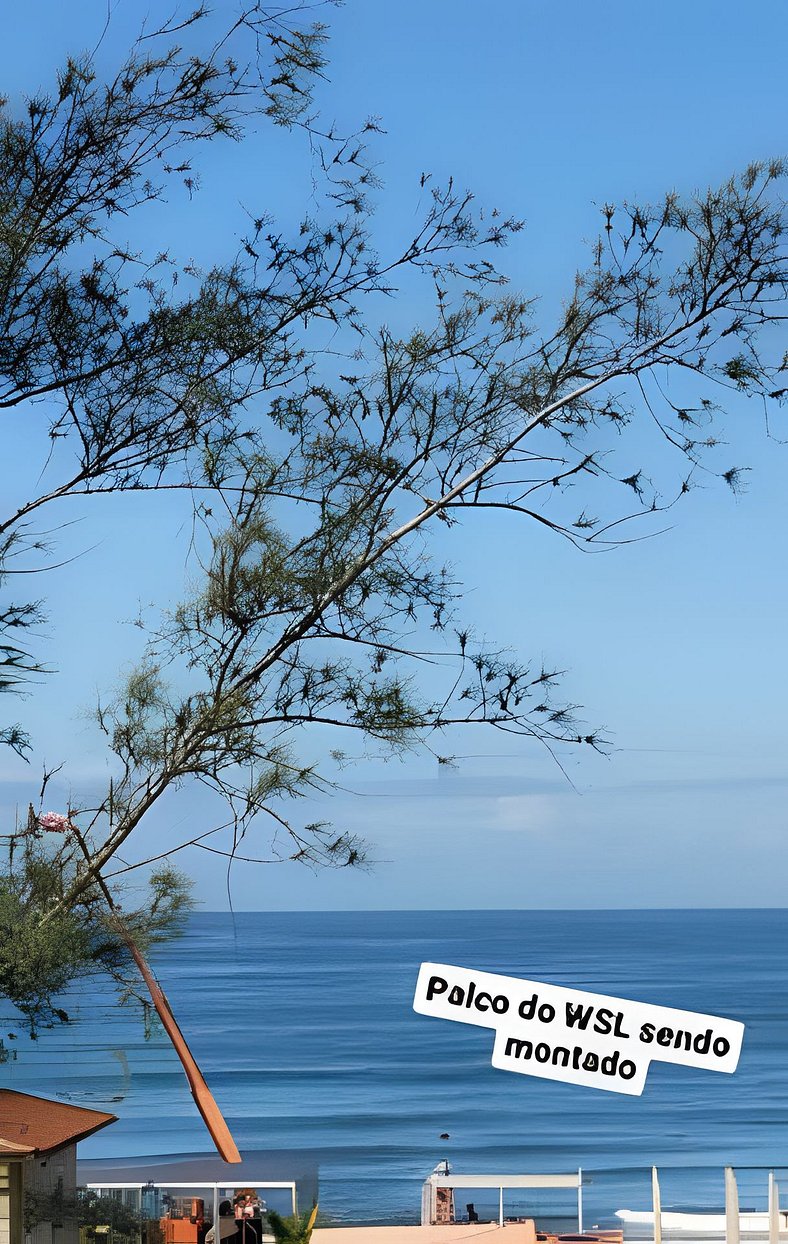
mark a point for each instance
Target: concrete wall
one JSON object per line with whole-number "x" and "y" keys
{"x": 43, "y": 1177}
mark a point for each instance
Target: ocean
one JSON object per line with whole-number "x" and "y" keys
{"x": 303, "y": 1026}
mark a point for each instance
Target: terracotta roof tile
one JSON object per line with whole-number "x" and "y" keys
{"x": 36, "y": 1125}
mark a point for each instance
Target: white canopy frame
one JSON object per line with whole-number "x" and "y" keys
{"x": 501, "y": 1182}
{"x": 197, "y": 1186}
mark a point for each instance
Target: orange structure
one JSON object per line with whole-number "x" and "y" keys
{"x": 203, "y": 1097}
{"x": 185, "y": 1223}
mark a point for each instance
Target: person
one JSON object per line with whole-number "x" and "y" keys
{"x": 227, "y": 1224}
{"x": 246, "y": 1207}
{"x": 247, "y": 1204}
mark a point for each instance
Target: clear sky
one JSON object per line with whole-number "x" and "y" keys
{"x": 675, "y": 645}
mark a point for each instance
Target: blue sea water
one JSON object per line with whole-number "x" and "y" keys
{"x": 303, "y": 1026}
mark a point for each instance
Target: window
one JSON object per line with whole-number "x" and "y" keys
{"x": 5, "y": 1203}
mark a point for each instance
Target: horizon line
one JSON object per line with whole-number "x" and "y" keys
{"x": 349, "y": 911}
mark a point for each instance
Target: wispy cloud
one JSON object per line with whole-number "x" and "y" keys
{"x": 531, "y": 814}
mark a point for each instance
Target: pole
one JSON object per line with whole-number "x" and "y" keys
{"x": 774, "y": 1210}
{"x": 203, "y": 1097}
{"x": 731, "y": 1207}
{"x": 580, "y": 1200}
{"x": 656, "y": 1199}
{"x": 500, "y": 1206}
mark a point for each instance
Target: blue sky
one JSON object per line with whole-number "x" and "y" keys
{"x": 676, "y": 645}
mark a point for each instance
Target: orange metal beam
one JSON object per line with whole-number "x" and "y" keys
{"x": 203, "y": 1097}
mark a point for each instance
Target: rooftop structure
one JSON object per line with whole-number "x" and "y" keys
{"x": 33, "y": 1126}
{"x": 287, "y": 1179}
{"x": 437, "y": 1198}
{"x": 38, "y": 1148}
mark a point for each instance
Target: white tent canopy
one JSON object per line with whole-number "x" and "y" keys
{"x": 501, "y": 1182}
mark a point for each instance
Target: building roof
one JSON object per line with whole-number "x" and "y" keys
{"x": 33, "y": 1125}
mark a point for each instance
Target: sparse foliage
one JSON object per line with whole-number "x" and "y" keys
{"x": 86, "y": 1209}
{"x": 94, "y": 1211}
{"x": 295, "y": 1229}
{"x": 316, "y": 484}
{"x": 46, "y": 944}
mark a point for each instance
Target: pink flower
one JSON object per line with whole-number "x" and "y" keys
{"x": 55, "y": 822}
